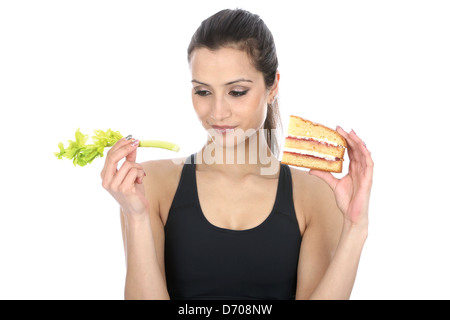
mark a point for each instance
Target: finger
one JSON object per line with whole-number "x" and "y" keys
{"x": 114, "y": 157}
{"x": 132, "y": 155}
{"x": 117, "y": 145}
{"x": 361, "y": 162}
{"x": 110, "y": 167}
{"x": 363, "y": 154}
{"x": 325, "y": 176}
{"x": 353, "y": 146}
{"x": 119, "y": 177}
{"x": 132, "y": 177}
{"x": 122, "y": 150}
{"x": 350, "y": 151}
{"x": 350, "y": 143}
{"x": 364, "y": 150}
{"x": 120, "y": 143}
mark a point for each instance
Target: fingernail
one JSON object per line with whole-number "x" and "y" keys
{"x": 128, "y": 137}
{"x": 135, "y": 143}
{"x": 338, "y": 127}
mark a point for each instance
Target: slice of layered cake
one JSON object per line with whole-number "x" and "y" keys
{"x": 314, "y": 146}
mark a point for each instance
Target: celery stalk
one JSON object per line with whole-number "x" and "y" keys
{"x": 82, "y": 153}
{"x": 159, "y": 144}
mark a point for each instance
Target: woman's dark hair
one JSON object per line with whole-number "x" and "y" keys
{"x": 248, "y": 32}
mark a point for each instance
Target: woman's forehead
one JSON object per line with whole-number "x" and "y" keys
{"x": 222, "y": 66}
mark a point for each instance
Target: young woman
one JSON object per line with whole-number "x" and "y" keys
{"x": 216, "y": 226}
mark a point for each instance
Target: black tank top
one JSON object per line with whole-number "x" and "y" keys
{"x": 203, "y": 261}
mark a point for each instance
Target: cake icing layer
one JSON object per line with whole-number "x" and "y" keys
{"x": 320, "y": 140}
{"x": 311, "y": 162}
{"x": 312, "y": 153}
{"x": 312, "y": 145}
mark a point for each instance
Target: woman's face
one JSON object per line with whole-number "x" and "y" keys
{"x": 228, "y": 94}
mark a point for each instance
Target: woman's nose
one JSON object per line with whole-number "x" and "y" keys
{"x": 220, "y": 109}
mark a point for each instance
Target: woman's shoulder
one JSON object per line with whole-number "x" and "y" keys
{"x": 161, "y": 181}
{"x": 165, "y": 166}
{"x": 312, "y": 196}
{"x": 304, "y": 182}
{"x": 163, "y": 172}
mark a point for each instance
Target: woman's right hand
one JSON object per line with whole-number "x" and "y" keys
{"x": 126, "y": 184}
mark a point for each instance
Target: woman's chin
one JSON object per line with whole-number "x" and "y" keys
{"x": 231, "y": 138}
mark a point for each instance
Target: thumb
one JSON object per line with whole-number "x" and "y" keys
{"x": 325, "y": 176}
{"x": 132, "y": 155}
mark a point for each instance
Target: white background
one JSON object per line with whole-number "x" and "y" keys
{"x": 381, "y": 68}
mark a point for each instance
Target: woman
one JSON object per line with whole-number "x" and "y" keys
{"x": 219, "y": 227}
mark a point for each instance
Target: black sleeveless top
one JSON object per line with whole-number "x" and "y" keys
{"x": 204, "y": 261}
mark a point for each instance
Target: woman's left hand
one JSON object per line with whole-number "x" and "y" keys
{"x": 352, "y": 192}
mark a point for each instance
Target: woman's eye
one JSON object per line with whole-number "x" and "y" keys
{"x": 235, "y": 93}
{"x": 202, "y": 93}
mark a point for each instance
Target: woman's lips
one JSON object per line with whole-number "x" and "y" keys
{"x": 224, "y": 129}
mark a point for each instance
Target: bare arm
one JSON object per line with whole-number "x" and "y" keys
{"x": 331, "y": 251}
{"x": 144, "y": 257}
{"x": 141, "y": 226}
{"x": 339, "y": 278}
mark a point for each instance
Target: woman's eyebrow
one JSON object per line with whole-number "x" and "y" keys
{"x": 202, "y": 83}
{"x": 226, "y": 84}
{"x": 238, "y": 80}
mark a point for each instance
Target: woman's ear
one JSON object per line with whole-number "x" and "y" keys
{"x": 274, "y": 90}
